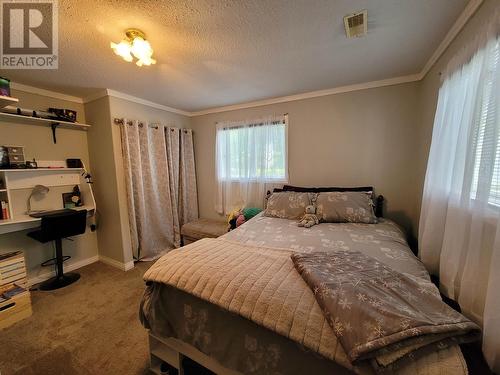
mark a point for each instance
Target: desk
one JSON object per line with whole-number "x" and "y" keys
{"x": 18, "y": 183}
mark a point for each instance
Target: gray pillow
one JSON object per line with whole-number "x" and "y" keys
{"x": 345, "y": 207}
{"x": 287, "y": 205}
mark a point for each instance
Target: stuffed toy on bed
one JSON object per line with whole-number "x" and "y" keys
{"x": 240, "y": 216}
{"x": 309, "y": 219}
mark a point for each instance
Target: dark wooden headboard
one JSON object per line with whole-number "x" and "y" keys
{"x": 379, "y": 206}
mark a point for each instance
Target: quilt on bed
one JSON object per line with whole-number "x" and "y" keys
{"x": 377, "y": 313}
{"x": 261, "y": 284}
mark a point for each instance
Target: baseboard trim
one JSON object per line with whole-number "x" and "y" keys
{"x": 67, "y": 268}
{"x": 114, "y": 263}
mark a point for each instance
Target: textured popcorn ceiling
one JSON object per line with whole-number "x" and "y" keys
{"x": 212, "y": 53}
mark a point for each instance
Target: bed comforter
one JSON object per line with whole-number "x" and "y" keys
{"x": 258, "y": 282}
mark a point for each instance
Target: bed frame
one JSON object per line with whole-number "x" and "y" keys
{"x": 173, "y": 351}
{"x": 379, "y": 206}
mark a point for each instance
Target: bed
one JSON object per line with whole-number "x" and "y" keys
{"x": 228, "y": 340}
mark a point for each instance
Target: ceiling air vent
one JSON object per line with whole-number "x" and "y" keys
{"x": 356, "y": 24}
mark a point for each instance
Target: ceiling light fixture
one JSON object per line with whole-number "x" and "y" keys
{"x": 135, "y": 45}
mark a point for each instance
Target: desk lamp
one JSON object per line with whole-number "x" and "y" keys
{"x": 37, "y": 190}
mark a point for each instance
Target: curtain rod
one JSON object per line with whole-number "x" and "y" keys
{"x": 120, "y": 121}
{"x": 260, "y": 123}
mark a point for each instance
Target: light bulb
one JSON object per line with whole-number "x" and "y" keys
{"x": 141, "y": 48}
{"x": 145, "y": 61}
{"x": 138, "y": 47}
{"x": 122, "y": 49}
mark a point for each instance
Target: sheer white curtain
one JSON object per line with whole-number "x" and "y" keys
{"x": 161, "y": 185}
{"x": 459, "y": 232}
{"x": 251, "y": 157}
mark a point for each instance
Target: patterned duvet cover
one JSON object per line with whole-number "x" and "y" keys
{"x": 383, "y": 241}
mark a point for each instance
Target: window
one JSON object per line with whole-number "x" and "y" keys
{"x": 252, "y": 151}
{"x": 486, "y": 141}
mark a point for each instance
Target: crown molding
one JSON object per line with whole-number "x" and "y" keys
{"x": 459, "y": 24}
{"x": 312, "y": 94}
{"x": 133, "y": 99}
{"x": 49, "y": 93}
{"x": 467, "y": 13}
{"x": 97, "y": 95}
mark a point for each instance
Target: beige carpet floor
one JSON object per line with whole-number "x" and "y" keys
{"x": 90, "y": 327}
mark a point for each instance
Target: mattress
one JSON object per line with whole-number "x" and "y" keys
{"x": 240, "y": 344}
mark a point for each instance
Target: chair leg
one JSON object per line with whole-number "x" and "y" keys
{"x": 59, "y": 259}
{"x": 61, "y": 279}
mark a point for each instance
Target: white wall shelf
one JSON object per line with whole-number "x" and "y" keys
{"x": 27, "y": 120}
{"x": 41, "y": 169}
{"x": 7, "y": 100}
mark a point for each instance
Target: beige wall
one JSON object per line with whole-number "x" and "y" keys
{"x": 106, "y": 155}
{"x": 359, "y": 138}
{"x": 114, "y": 245}
{"x": 38, "y": 144}
{"x": 136, "y": 111}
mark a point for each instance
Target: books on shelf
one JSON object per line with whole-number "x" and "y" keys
{"x": 4, "y": 213}
{"x": 13, "y": 291}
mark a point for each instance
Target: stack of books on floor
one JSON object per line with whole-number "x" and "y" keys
{"x": 15, "y": 300}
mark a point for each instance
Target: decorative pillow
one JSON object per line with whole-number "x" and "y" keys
{"x": 345, "y": 207}
{"x": 287, "y": 205}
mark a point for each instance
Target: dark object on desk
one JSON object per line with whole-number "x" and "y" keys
{"x": 77, "y": 196}
{"x": 56, "y": 226}
{"x": 67, "y": 199}
{"x": 73, "y": 199}
{"x": 17, "y": 166}
{"x": 31, "y": 164}
{"x": 74, "y": 163}
{"x": 15, "y": 155}
{"x": 87, "y": 177}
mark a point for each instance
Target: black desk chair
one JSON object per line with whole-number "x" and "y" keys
{"x": 55, "y": 227}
